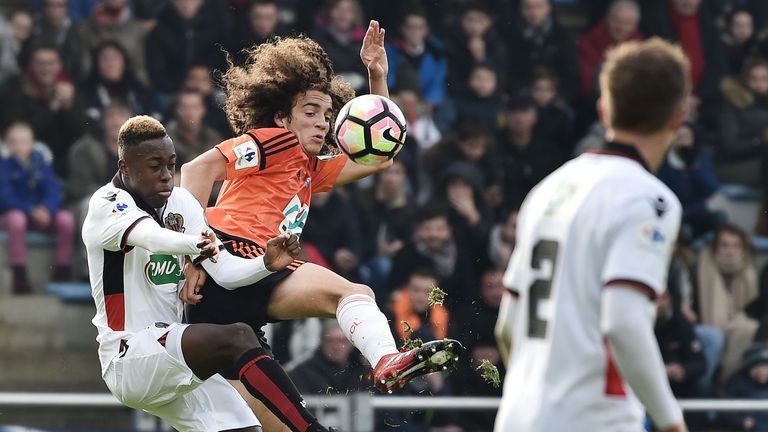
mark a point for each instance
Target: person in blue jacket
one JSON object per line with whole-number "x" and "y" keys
{"x": 29, "y": 200}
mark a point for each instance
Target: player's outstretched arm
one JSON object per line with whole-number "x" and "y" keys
{"x": 199, "y": 175}
{"x": 627, "y": 322}
{"x": 374, "y": 57}
{"x": 147, "y": 234}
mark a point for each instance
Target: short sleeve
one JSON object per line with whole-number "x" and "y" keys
{"x": 325, "y": 170}
{"x": 640, "y": 243}
{"x": 114, "y": 214}
{"x": 258, "y": 150}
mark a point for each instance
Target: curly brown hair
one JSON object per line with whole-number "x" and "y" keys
{"x": 273, "y": 75}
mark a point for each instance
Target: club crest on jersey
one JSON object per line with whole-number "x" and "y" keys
{"x": 163, "y": 269}
{"x": 247, "y": 155}
{"x": 295, "y": 214}
{"x": 175, "y": 221}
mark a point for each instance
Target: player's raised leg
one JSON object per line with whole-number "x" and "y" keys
{"x": 312, "y": 290}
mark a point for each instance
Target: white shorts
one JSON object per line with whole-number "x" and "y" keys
{"x": 156, "y": 379}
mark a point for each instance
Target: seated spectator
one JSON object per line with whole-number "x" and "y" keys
{"x": 424, "y": 130}
{"x": 333, "y": 238}
{"x": 537, "y": 39}
{"x": 333, "y": 369}
{"x": 77, "y": 9}
{"x": 190, "y": 135}
{"x": 410, "y": 305}
{"x": 526, "y": 157}
{"x": 15, "y": 34}
{"x": 258, "y": 22}
{"x": 503, "y": 238}
{"x": 433, "y": 246}
{"x": 420, "y": 55}
{"x": 690, "y": 173}
{"x": 46, "y": 98}
{"x": 727, "y": 282}
{"x": 56, "y": 28}
{"x": 186, "y": 34}
{"x": 482, "y": 311}
{"x": 340, "y": 32}
{"x": 113, "y": 20}
{"x": 739, "y": 39}
{"x": 680, "y": 348}
{"x": 751, "y": 382}
{"x": 199, "y": 79}
{"x": 475, "y": 41}
{"x": 112, "y": 80}
{"x": 621, "y": 24}
{"x": 482, "y": 102}
{"x": 385, "y": 211}
{"x": 29, "y": 200}
{"x": 692, "y": 25}
{"x": 554, "y": 119}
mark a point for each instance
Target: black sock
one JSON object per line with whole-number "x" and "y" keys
{"x": 263, "y": 377}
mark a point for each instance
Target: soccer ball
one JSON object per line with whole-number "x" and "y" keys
{"x": 370, "y": 129}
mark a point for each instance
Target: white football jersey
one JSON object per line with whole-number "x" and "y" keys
{"x": 600, "y": 219}
{"x": 133, "y": 288}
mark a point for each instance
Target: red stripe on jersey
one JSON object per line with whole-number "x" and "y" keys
{"x": 115, "y": 305}
{"x": 640, "y": 286}
{"x": 272, "y": 392}
{"x": 614, "y": 383}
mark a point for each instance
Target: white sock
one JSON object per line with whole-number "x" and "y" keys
{"x": 366, "y": 327}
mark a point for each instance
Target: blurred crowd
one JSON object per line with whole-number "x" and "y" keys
{"x": 497, "y": 95}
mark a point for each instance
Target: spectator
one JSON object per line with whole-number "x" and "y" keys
{"x": 481, "y": 104}
{"x": 186, "y": 34}
{"x": 526, "y": 157}
{"x": 112, "y": 80}
{"x": 690, "y": 22}
{"x": 423, "y": 128}
{"x": 751, "y": 382}
{"x": 690, "y": 173}
{"x": 29, "y": 199}
{"x": 741, "y": 151}
{"x": 340, "y": 32}
{"x": 260, "y": 21}
{"x": 45, "y": 97}
{"x": 14, "y": 35}
{"x": 482, "y": 311}
{"x": 333, "y": 238}
{"x": 56, "y": 28}
{"x": 411, "y": 309}
{"x": 727, "y": 281}
{"x": 434, "y": 247}
{"x": 680, "y": 349}
{"x": 538, "y": 39}
{"x": 199, "y": 79}
{"x": 475, "y": 41}
{"x": 468, "y": 381}
{"x": 418, "y": 56}
{"x": 386, "y": 218}
{"x": 77, "y": 10}
{"x": 554, "y": 119}
{"x": 331, "y": 370}
{"x": 621, "y": 24}
{"x": 739, "y": 39}
{"x": 189, "y": 133}
{"x": 503, "y": 239}
{"x": 112, "y": 20}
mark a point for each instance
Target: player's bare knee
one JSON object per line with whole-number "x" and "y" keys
{"x": 357, "y": 288}
{"x": 241, "y": 338}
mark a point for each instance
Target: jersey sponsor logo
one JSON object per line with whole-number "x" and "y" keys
{"x": 163, "y": 269}
{"x": 652, "y": 237}
{"x": 119, "y": 208}
{"x": 247, "y": 155}
{"x": 175, "y": 221}
{"x": 295, "y": 214}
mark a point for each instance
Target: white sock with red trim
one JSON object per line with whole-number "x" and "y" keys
{"x": 366, "y": 327}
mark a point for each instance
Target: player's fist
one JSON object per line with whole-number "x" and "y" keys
{"x": 207, "y": 245}
{"x": 281, "y": 251}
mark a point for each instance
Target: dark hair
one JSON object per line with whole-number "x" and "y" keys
{"x": 39, "y": 45}
{"x": 184, "y": 92}
{"x": 430, "y": 211}
{"x": 137, "y": 130}
{"x": 729, "y": 228}
{"x": 422, "y": 271}
{"x": 644, "y": 84}
{"x": 543, "y": 72}
{"x": 735, "y": 11}
{"x": 128, "y": 75}
{"x": 752, "y": 63}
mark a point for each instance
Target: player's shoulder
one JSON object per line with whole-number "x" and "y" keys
{"x": 265, "y": 136}
{"x": 182, "y": 196}
{"x": 110, "y": 197}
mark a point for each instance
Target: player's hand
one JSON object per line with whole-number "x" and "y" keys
{"x": 41, "y": 217}
{"x": 194, "y": 279}
{"x": 281, "y": 251}
{"x": 373, "y": 54}
{"x": 345, "y": 260}
{"x": 675, "y": 372}
{"x": 207, "y": 245}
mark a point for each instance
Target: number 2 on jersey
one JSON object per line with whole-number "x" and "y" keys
{"x": 541, "y": 289}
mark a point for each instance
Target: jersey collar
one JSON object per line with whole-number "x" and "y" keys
{"x": 615, "y": 148}
{"x": 117, "y": 181}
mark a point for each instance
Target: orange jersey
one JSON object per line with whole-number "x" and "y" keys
{"x": 269, "y": 185}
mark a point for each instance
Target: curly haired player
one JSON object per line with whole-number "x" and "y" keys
{"x": 282, "y": 103}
